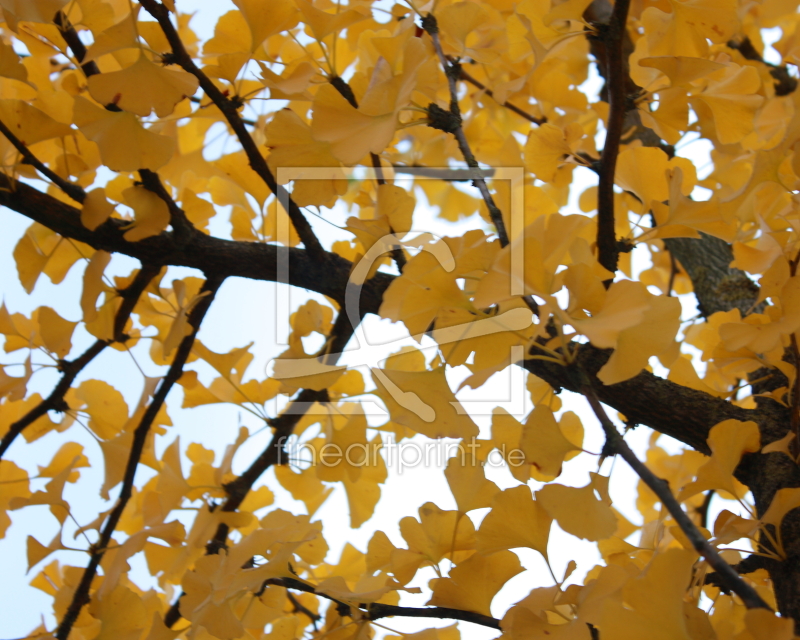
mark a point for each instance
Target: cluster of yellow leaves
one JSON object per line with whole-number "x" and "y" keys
{"x": 466, "y": 293}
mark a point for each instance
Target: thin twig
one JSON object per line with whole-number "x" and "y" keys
{"x": 70, "y": 369}
{"x": 73, "y": 190}
{"x": 616, "y": 75}
{"x": 477, "y": 83}
{"x": 81, "y": 594}
{"x": 615, "y": 443}
{"x": 275, "y": 452}
{"x": 74, "y": 42}
{"x": 702, "y": 510}
{"x": 378, "y": 610}
{"x": 673, "y": 271}
{"x": 230, "y": 109}
{"x": 452, "y": 71}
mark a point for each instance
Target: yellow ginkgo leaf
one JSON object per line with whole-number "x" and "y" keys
{"x": 547, "y": 148}
{"x": 14, "y": 485}
{"x": 728, "y": 441}
{"x": 467, "y": 480}
{"x": 10, "y": 65}
{"x": 29, "y": 124}
{"x": 782, "y": 503}
{"x": 151, "y": 214}
{"x": 322, "y": 23}
{"x": 96, "y": 209}
{"x": 544, "y": 444}
{"x": 423, "y": 402}
{"x": 56, "y": 332}
{"x": 41, "y": 11}
{"x": 516, "y": 520}
{"x": 644, "y": 172}
{"x": 397, "y": 206}
{"x": 653, "y": 336}
{"x": 732, "y": 97}
{"x": 439, "y": 534}
{"x": 472, "y": 584}
{"x": 143, "y": 87}
{"x": 282, "y": 16}
{"x": 363, "y": 493}
{"x": 578, "y": 511}
{"x": 655, "y": 600}
{"x": 125, "y": 145}
{"x": 122, "y": 35}
{"x": 624, "y": 307}
{"x": 351, "y": 132}
{"x": 682, "y": 69}
{"x": 763, "y": 624}
{"x": 292, "y": 145}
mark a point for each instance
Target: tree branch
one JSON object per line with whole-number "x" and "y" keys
{"x": 230, "y": 109}
{"x": 717, "y": 286}
{"x": 73, "y": 190}
{"x": 74, "y": 42}
{"x": 378, "y": 610}
{"x": 477, "y": 83}
{"x": 617, "y": 77}
{"x": 81, "y": 595}
{"x": 452, "y": 72}
{"x": 178, "y": 220}
{"x": 274, "y": 453}
{"x": 257, "y": 261}
{"x": 71, "y": 369}
{"x": 616, "y": 444}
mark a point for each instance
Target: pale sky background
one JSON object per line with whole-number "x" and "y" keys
{"x": 243, "y": 313}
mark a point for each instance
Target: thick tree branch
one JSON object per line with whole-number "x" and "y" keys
{"x": 70, "y": 369}
{"x": 81, "y": 595}
{"x": 674, "y": 410}
{"x": 717, "y": 286}
{"x": 216, "y": 256}
{"x": 452, "y": 124}
{"x": 617, "y": 77}
{"x": 230, "y": 109}
{"x": 615, "y": 443}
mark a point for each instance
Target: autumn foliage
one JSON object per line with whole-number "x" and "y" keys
{"x": 124, "y": 136}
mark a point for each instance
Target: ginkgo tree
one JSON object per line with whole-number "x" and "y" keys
{"x": 110, "y": 116}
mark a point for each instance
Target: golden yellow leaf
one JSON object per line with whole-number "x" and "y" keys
{"x": 29, "y": 124}
{"x": 544, "y": 444}
{"x": 143, "y": 87}
{"x": 423, "y": 402}
{"x": 125, "y": 145}
{"x": 516, "y": 520}
{"x": 439, "y": 534}
{"x": 96, "y": 209}
{"x": 151, "y": 214}
{"x": 473, "y": 583}
{"x": 578, "y": 511}
{"x": 351, "y": 132}
{"x": 728, "y": 441}
{"x": 468, "y": 482}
